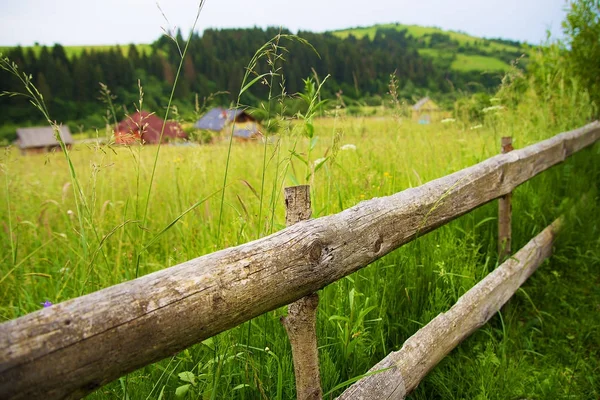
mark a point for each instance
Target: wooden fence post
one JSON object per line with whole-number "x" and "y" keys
{"x": 300, "y": 323}
{"x": 505, "y": 212}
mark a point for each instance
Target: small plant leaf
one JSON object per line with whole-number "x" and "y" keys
{"x": 209, "y": 343}
{"x": 252, "y": 82}
{"x": 310, "y": 129}
{"x": 182, "y": 390}
{"x": 188, "y": 376}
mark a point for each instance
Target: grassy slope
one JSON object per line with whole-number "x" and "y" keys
{"x": 74, "y": 51}
{"x": 418, "y": 31}
{"x": 463, "y": 62}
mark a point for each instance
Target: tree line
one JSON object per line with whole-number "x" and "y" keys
{"x": 216, "y": 61}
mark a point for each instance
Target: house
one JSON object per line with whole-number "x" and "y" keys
{"x": 146, "y": 127}
{"x": 41, "y": 139}
{"x": 220, "y": 119}
{"x": 426, "y": 111}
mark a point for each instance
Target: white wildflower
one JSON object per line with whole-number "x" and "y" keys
{"x": 448, "y": 120}
{"x": 493, "y": 108}
{"x": 476, "y": 127}
{"x": 319, "y": 161}
{"x": 348, "y": 147}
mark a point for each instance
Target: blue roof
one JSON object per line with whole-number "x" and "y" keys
{"x": 245, "y": 133}
{"x": 216, "y": 119}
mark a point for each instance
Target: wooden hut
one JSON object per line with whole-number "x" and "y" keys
{"x": 146, "y": 127}
{"x": 425, "y": 111}
{"x": 220, "y": 120}
{"x": 41, "y": 139}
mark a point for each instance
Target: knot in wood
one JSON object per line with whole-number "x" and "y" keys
{"x": 378, "y": 243}
{"x": 314, "y": 251}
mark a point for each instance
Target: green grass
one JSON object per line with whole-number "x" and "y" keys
{"x": 403, "y": 290}
{"x": 62, "y": 243}
{"x": 418, "y": 31}
{"x": 76, "y": 51}
{"x": 463, "y": 62}
{"x": 466, "y": 62}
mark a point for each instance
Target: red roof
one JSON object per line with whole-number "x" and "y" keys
{"x": 146, "y": 126}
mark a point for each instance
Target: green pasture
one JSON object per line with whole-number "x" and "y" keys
{"x": 76, "y": 51}
{"x": 468, "y": 62}
{"x": 543, "y": 344}
{"x": 418, "y": 31}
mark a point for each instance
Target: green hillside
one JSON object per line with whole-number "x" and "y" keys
{"x": 458, "y": 50}
{"x": 76, "y": 51}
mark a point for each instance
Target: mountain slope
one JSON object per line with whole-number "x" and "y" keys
{"x": 460, "y": 51}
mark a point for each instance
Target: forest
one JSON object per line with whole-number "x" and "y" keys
{"x": 215, "y": 62}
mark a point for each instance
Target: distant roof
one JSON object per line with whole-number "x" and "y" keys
{"x": 216, "y": 118}
{"x": 42, "y": 136}
{"x": 421, "y": 103}
{"x": 246, "y": 133}
{"x": 151, "y": 127}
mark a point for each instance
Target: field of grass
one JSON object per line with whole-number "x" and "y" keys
{"x": 463, "y": 62}
{"x": 468, "y": 62}
{"x": 419, "y": 31}
{"x": 544, "y": 344}
{"x": 75, "y": 51}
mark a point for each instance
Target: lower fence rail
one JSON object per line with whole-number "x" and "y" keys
{"x": 400, "y": 372}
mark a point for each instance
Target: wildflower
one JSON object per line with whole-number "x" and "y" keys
{"x": 319, "y": 161}
{"x": 46, "y": 304}
{"x": 448, "y": 120}
{"x": 348, "y": 147}
{"x": 70, "y": 212}
{"x": 476, "y": 127}
{"x": 493, "y": 108}
{"x": 387, "y": 174}
{"x": 267, "y": 349}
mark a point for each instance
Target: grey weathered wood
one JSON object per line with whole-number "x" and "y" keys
{"x": 301, "y": 321}
{"x": 505, "y": 211}
{"x": 74, "y": 347}
{"x": 300, "y": 325}
{"x": 404, "y": 369}
{"x": 297, "y": 204}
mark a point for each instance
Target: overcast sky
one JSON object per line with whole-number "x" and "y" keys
{"x": 78, "y": 22}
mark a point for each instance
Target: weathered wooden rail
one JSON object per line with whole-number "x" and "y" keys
{"x": 401, "y": 371}
{"x": 72, "y": 348}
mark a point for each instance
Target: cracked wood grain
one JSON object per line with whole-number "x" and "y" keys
{"x": 74, "y": 347}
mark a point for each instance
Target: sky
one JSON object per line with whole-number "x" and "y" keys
{"x": 90, "y": 22}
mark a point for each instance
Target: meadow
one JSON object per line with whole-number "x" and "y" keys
{"x": 76, "y": 51}
{"x": 424, "y": 32}
{"x": 118, "y": 219}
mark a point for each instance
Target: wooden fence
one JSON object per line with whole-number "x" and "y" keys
{"x": 74, "y": 347}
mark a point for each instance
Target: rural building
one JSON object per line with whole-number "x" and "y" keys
{"x": 220, "y": 120}
{"x": 426, "y": 111}
{"x": 146, "y": 127}
{"x": 41, "y": 139}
